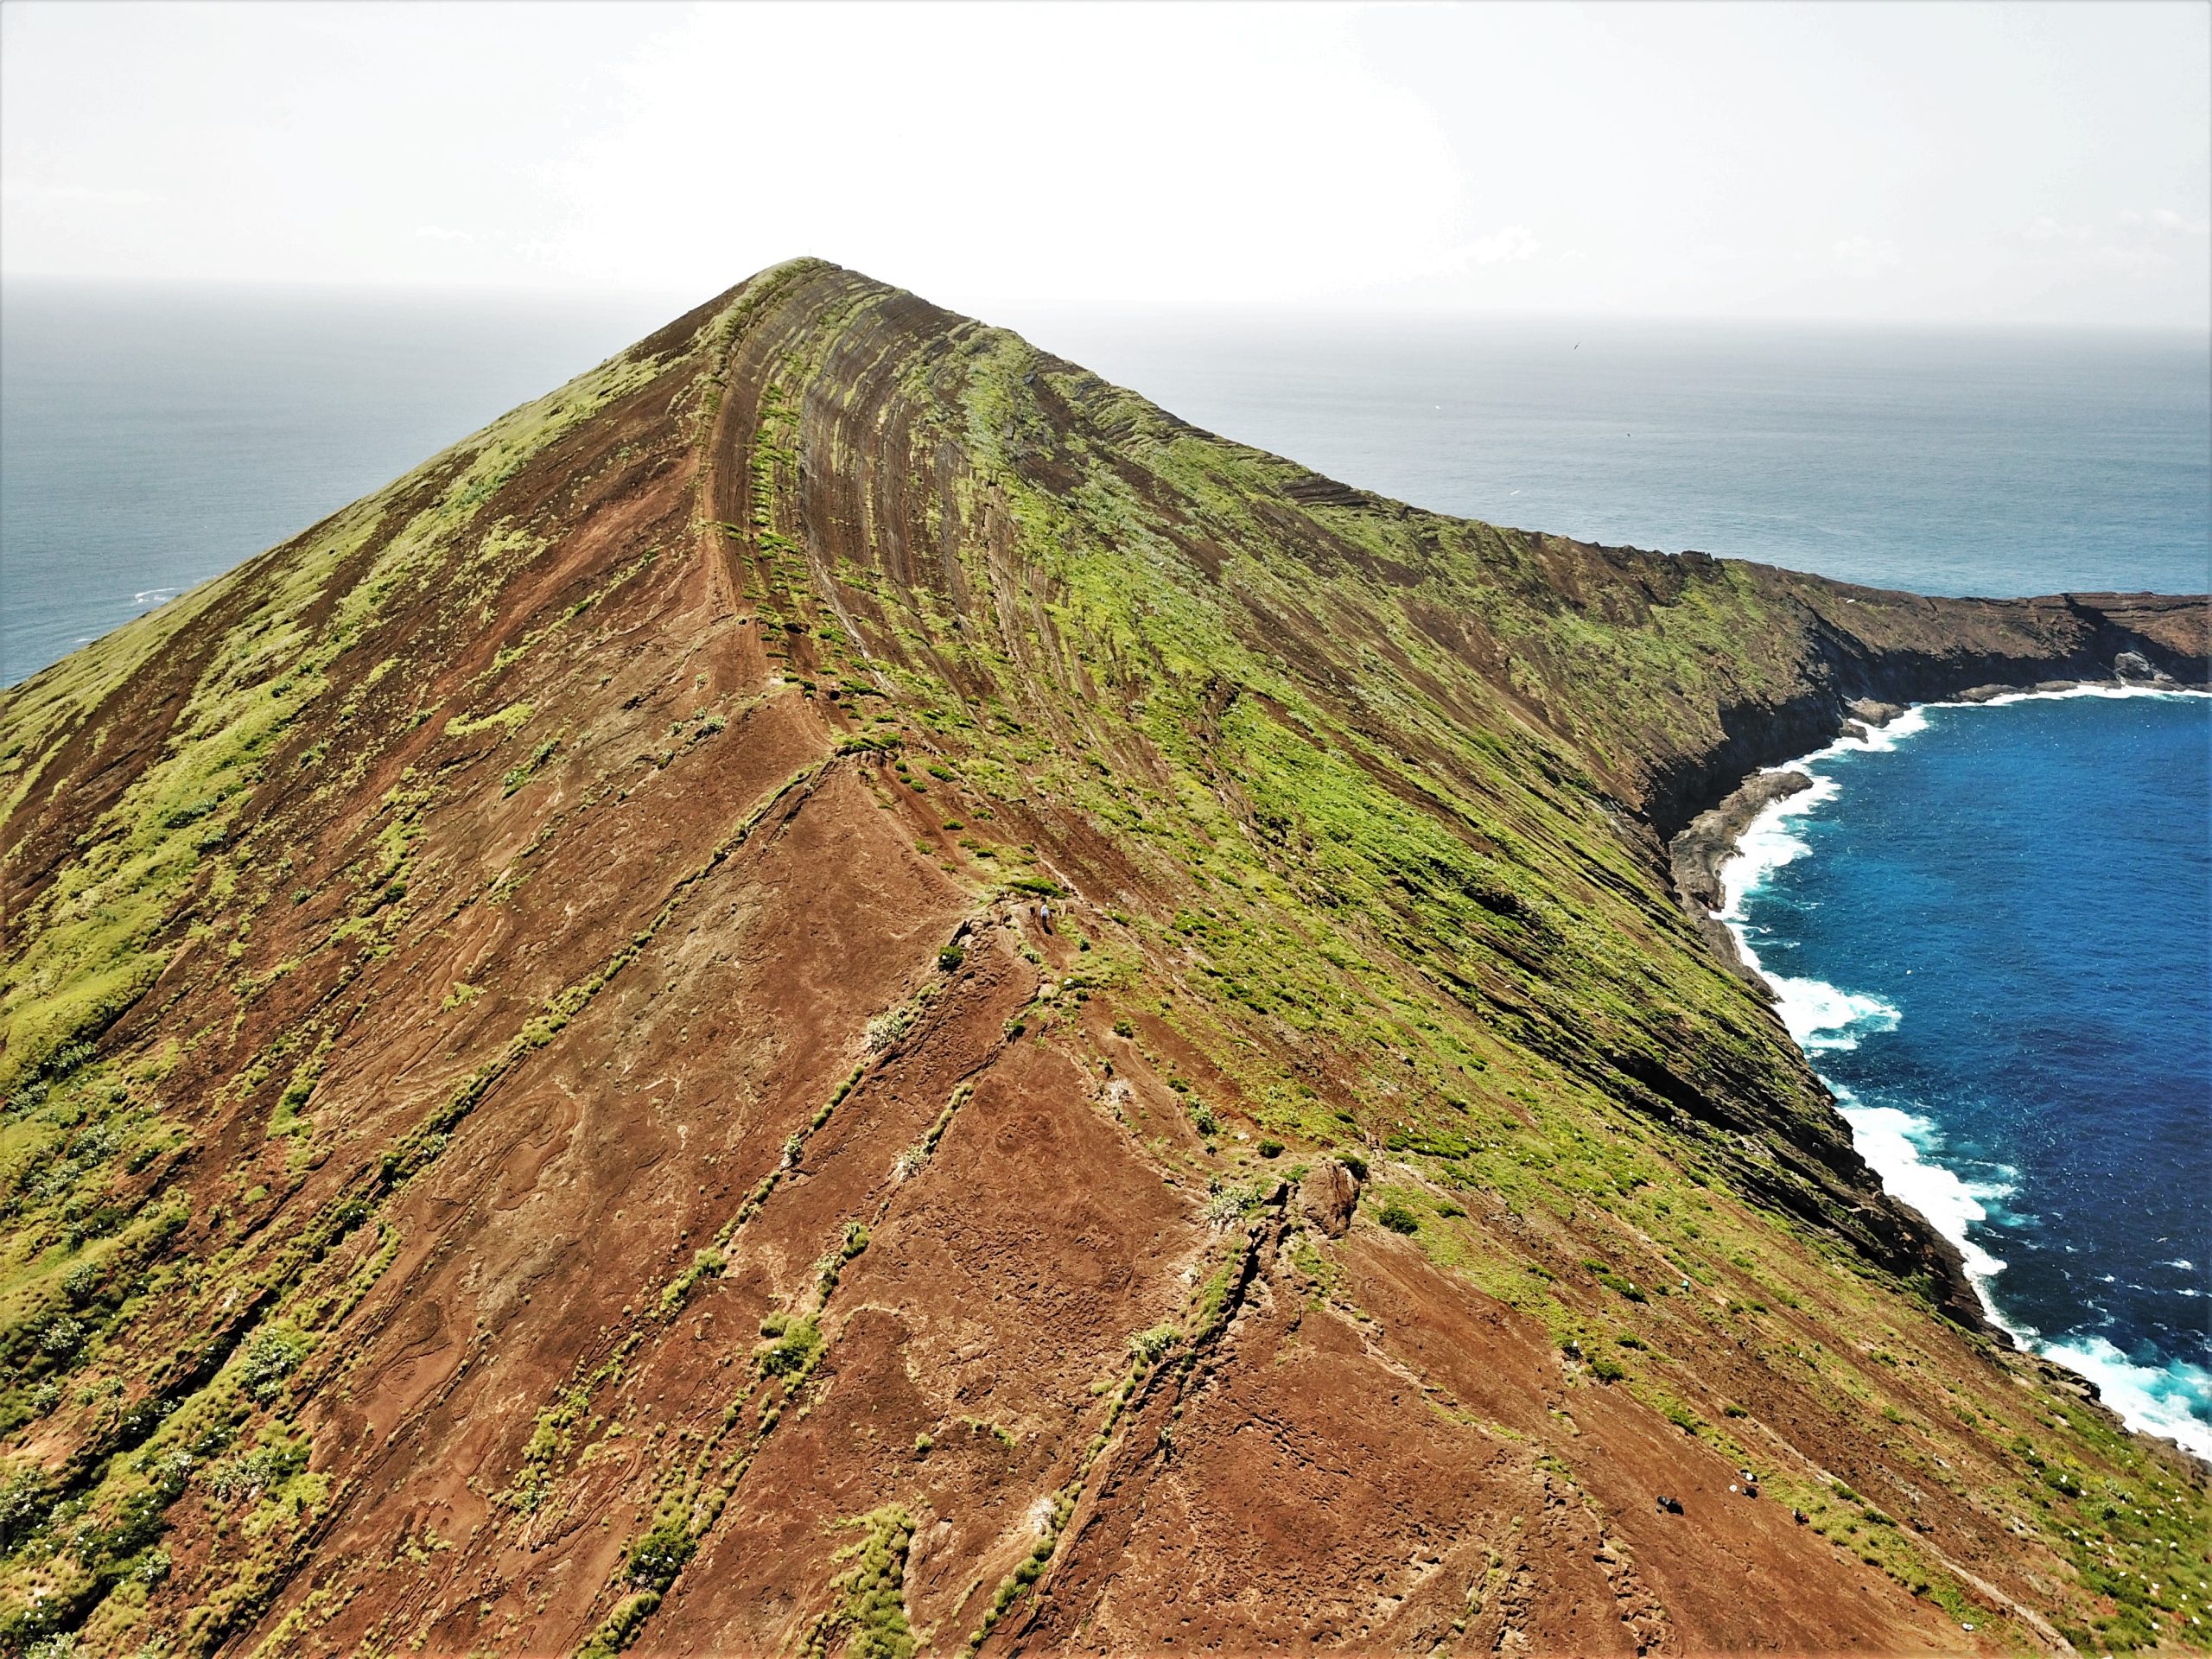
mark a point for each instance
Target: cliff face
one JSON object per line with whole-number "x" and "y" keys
{"x": 542, "y": 1112}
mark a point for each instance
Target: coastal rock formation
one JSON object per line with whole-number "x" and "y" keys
{"x": 1700, "y": 850}
{"x": 545, "y": 1111}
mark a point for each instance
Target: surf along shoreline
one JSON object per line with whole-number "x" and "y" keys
{"x": 1722, "y": 856}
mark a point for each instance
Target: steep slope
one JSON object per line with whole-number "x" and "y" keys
{"x": 543, "y": 1114}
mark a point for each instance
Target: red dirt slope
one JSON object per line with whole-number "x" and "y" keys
{"x": 544, "y": 1115}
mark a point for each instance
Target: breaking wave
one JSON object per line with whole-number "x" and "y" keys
{"x": 1905, "y": 1148}
{"x": 1900, "y": 1147}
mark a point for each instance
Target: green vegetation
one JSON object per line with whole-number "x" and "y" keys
{"x": 1397, "y": 1217}
{"x": 1369, "y": 793}
{"x": 871, "y": 1613}
{"x": 798, "y": 1345}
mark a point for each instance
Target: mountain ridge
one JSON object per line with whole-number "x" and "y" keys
{"x": 364, "y": 904}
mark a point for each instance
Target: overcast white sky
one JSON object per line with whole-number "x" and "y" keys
{"x": 2010, "y": 164}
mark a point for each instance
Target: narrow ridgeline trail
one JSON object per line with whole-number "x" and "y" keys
{"x": 841, "y": 991}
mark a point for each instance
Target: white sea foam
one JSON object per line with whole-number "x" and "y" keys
{"x": 2173, "y": 1401}
{"x": 1822, "y": 1018}
{"x": 2163, "y": 1399}
{"x": 1897, "y": 1145}
{"x": 2010, "y": 698}
{"x": 1880, "y": 740}
{"x": 1766, "y": 844}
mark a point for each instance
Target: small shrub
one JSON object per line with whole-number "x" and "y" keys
{"x": 1148, "y": 1345}
{"x": 657, "y": 1558}
{"x": 949, "y": 958}
{"x": 247, "y": 1476}
{"x": 1606, "y": 1369}
{"x": 1224, "y": 1209}
{"x": 1269, "y": 1146}
{"x": 887, "y": 1028}
{"x": 794, "y": 1351}
{"x": 1399, "y": 1219}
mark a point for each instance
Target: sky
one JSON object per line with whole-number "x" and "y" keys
{"x": 1952, "y": 162}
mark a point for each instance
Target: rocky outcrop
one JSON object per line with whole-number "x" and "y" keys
{"x": 1710, "y": 841}
{"x": 1328, "y": 1197}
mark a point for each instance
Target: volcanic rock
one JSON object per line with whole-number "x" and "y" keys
{"x": 542, "y": 1114}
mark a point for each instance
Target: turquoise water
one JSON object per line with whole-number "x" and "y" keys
{"x": 1990, "y": 928}
{"x": 2004, "y": 910}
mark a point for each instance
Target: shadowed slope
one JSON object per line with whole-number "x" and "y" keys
{"x": 543, "y": 1114}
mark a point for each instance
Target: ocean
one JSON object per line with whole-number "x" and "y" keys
{"x": 1943, "y": 461}
{"x": 151, "y": 438}
{"x": 1992, "y": 926}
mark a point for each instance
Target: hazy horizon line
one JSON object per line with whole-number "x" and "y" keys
{"x": 683, "y": 301}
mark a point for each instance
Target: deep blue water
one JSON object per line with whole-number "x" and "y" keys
{"x": 2025, "y": 886}
{"x": 1992, "y": 931}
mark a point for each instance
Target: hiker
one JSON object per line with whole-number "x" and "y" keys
{"x": 1045, "y": 915}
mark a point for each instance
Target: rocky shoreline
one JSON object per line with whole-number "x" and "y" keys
{"x": 1699, "y": 851}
